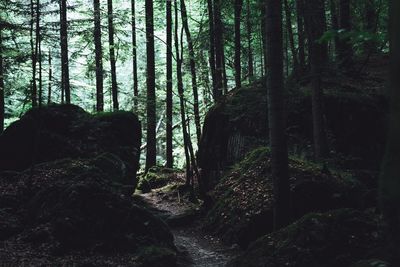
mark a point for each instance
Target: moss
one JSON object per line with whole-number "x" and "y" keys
{"x": 157, "y": 177}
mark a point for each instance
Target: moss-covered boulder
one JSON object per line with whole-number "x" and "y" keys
{"x": 355, "y": 122}
{"x": 67, "y": 131}
{"x": 243, "y": 199}
{"x": 157, "y": 177}
{"x": 332, "y": 239}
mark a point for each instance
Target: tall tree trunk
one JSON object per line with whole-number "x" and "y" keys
{"x": 64, "y": 51}
{"x": 219, "y": 48}
{"x": 192, "y": 70}
{"x": 371, "y": 24}
{"x": 211, "y": 53}
{"x": 151, "y": 152}
{"x": 1, "y": 84}
{"x": 99, "y": 57}
{"x": 276, "y": 111}
{"x": 314, "y": 27}
{"x": 40, "y": 99}
{"x": 344, "y": 47}
{"x": 134, "y": 58}
{"x": 114, "y": 85}
{"x": 38, "y": 50}
{"x": 238, "y": 67}
{"x": 250, "y": 59}
{"x": 288, "y": 14}
{"x": 179, "y": 77}
{"x": 300, "y": 34}
{"x": 169, "y": 111}
{"x": 33, "y": 58}
{"x": 335, "y": 21}
{"x": 390, "y": 182}
{"x": 50, "y": 80}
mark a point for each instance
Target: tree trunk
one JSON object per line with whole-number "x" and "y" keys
{"x": 219, "y": 48}
{"x": 40, "y": 100}
{"x": 334, "y": 19}
{"x": 344, "y": 47}
{"x": 276, "y": 111}
{"x": 169, "y": 111}
{"x": 192, "y": 70}
{"x": 300, "y": 34}
{"x": 33, "y": 58}
{"x": 371, "y": 25}
{"x": 38, "y": 51}
{"x": 238, "y": 67}
{"x": 151, "y": 151}
{"x": 64, "y": 51}
{"x": 313, "y": 22}
{"x": 50, "y": 80}
{"x": 99, "y": 57}
{"x": 114, "y": 85}
{"x": 134, "y": 58}
{"x": 179, "y": 77}
{"x": 250, "y": 60}
{"x": 288, "y": 14}
{"x": 390, "y": 182}
{"x": 211, "y": 53}
{"x": 1, "y": 84}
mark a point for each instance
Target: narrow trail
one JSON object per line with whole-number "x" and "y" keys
{"x": 196, "y": 247}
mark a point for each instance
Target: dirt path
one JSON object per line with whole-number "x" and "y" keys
{"x": 197, "y": 248}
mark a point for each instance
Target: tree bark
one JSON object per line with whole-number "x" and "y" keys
{"x": 1, "y": 84}
{"x": 219, "y": 48}
{"x": 238, "y": 67}
{"x": 151, "y": 151}
{"x": 192, "y": 70}
{"x": 169, "y": 111}
{"x": 50, "y": 80}
{"x": 250, "y": 59}
{"x": 390, "y": 182}
{"x": 99, "y": 57}
{"x": 276, "y": 111}
{"x": 300, "y": 34}
{"x": 313, "y": 22}
{"x": 335, "y": 21}
{"x": 114, "y": 85}
{"x": 33, "y": 58}
{"x": 64, "y": 51}
{"x": 134, "y": 58}
{"x": 288, "y": 15}
{"x": 211, "y": 53}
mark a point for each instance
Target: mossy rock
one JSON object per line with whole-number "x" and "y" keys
{"x": 243, "y": 200}
{"x": 157, "y": 177}
{"x": 336, "y": 238}
{"x": 66, "y": 131}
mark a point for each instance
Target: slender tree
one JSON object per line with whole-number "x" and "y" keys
{"x": 250, "y": 59}
{"x": 318, "y": 54}
{"x": 151, "y": 88}
{"x": 38, "y": 50}
{"x": 344, "y": 47}
{"x": 99, "y": 56}
{"x": 390, "y": 182}
{"x": 114, "y": 85}
{"x": 33, "y": 57}
{"x": 290, "y": 35}
{"x": 169, "y": 100}
{"x": 276, "y": 111}
{"x": 192, "y": 69}
{"x": 50, "y": 80}
{"x": 238, "y": 67}
{"x": 211, "y": 52}
{"x": 334, "y": 21}
{"x": 65, "y": 84}
{"x": 1, "y": 84}
{"x": 300, "y": 34}
{"x": 219, "y": 49}
{"x": 134, "y": 58}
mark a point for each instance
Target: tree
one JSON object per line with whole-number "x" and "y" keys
{"x": 33, "y": 58}
{"x": 38, "y": 50}
{"x": 169, "y": 108}
{"x": 300, "y": 34}
{"x": 250, "y": 50}
{"x": 151, "y": 88}
{"x": 99, "y": 57}
{"x": 50, "y": 80}
{"x": 276, "y": 111}
{"x": 114, "y": 85}
{"x": 314, "y": 22}
{"x": 288, "y": 15}
{"x": 134, "y": 58}
{"x": 390, "y": 182}
{"x": 344, "y": 47}
{"x": 1, "y": 84}
{"x": 64, "y": 51}
{"x": 238, "y": 67}
{"x": 219, "y": 49}
{"x": 192, "y": 70}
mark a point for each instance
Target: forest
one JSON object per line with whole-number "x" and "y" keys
{"x": 201, "y": 133}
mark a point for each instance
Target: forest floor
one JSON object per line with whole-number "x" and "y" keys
{"x": 196, "y": 247}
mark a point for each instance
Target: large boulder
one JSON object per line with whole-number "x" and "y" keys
{"x": 243, "y": 199}
{"x": 355, "y": 122}
{"x": 67, "y": 131}
{"x": 336, "y": 238}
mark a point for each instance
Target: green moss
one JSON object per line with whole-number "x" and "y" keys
{"x": 156, "y": 177}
